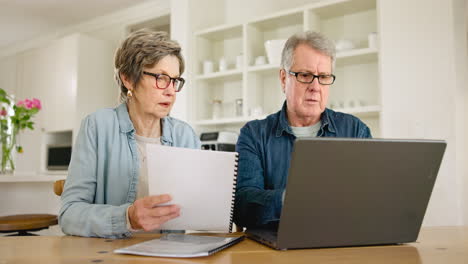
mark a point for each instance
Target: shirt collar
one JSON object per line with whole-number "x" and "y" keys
{"x": 126, "y": 125}
{"x": 283, "y": 125}
{"x": 166, "y": 137}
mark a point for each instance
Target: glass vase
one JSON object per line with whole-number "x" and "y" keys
{"x": 7, "y": 164}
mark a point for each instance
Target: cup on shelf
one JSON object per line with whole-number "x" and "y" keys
{"x": 207, "y": 67}
{"x": 344, "y": 44}
{"x": 260, "y": 60}
{"x": 372, "y": 39}
{"x": 222, "y": 64}
{"x": 352, "y": 103}
{"x": 340, "y": 104}
{"x": 239, "y": 104}
{"x": 239, "y": 61}
{"x": 217, "y": 109}
{"x": 256, "y": 111}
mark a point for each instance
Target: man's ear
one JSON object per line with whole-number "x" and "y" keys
{"x": 126, "y": 82}
{"x": 282, "y": 77}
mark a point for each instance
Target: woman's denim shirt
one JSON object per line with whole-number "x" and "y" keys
{"x": 264, "y": 148}
{"x": 104, "y": 169}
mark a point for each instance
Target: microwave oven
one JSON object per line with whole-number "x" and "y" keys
{"x": 58, "y": 157}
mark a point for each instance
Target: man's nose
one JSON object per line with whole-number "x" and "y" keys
{"x": 314, "y": 85}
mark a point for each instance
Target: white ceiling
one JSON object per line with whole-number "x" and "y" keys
{"x": 22, "y": 20}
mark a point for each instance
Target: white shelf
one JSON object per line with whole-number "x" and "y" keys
{"x": 357, "y": 56}
{"x": 348, "y": 57}
{"x": 362, "y": 111}
{"x": 226, "y": 121}
{"x": 221, "y": 32}
{"x": 280, "y": 19}
{"x": 263, "y": 68}
{"x": 12, "y": 178}
{"x": 337, "y": 8}
{"x": 223, "y": 74}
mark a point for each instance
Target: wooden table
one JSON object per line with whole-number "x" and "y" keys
{"x": 447, "y": 245}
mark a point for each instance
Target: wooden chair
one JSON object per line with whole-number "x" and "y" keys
{"x": 22, "y": 224}
{"x": 58, "y": 187}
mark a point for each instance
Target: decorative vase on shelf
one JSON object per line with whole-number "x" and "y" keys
{"x": 13, "y": 119}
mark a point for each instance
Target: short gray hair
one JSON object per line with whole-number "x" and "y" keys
{"x": 315, "y": 40}
{"x": 143, "y": 48}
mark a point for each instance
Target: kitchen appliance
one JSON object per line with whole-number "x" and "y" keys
{"x": 220, "y": 140}
{"x": 58, "y": 157}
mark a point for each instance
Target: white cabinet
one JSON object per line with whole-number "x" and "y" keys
{"x": 72, "y": 76}
{"x": 355, "y": 91}
{"x": 50, "y": 74}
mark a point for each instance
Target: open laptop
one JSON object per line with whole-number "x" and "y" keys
{"x": 354, "y": 192}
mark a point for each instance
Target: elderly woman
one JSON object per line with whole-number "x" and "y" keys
{"x": 106, "y": 191}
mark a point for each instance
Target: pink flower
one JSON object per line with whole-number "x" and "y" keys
{"x": 37, "y": 103}
{"x": 20, "y": 103}
{"x": 3, "y": 112}
{"x": 28, "y": 103}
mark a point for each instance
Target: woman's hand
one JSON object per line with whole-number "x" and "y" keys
{"x": 146, "y": 213}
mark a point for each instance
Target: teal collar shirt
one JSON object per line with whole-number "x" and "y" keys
{"x": 104, "y": 169}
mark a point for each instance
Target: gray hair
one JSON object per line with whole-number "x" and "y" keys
{"x": 315, "y": 40}
{"x": 143, "y": 48}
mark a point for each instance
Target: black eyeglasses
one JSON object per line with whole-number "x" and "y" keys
{"x": 307, "y": 77}
{"x": 163, "y": 81}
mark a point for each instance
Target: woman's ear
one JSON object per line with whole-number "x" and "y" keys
{"x": 126, "y": 82}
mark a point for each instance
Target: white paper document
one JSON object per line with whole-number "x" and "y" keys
{"x": 201, "y": 182}
{"x": 181, "y": 246}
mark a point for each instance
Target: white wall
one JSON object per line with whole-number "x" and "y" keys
{"x": 422, "y": 91}
{"x": 96, "y": 87}
{"x": 8, "y": 74}
{"x": 461, "y": 45}
{"x": 180, "y": 22}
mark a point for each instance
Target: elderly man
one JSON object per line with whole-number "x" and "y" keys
{"x": 265, "y": 146}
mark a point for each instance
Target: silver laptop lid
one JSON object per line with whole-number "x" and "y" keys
{"x": 346, "y": 192}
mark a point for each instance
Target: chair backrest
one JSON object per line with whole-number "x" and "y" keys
{"x": 58, "y": 187}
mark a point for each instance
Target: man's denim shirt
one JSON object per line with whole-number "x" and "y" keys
{"x": 264, "y": 148}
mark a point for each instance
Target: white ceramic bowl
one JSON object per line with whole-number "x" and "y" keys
{"x": 273, "y": 48}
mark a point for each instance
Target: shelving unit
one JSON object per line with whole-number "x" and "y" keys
{"x": 356, "y": 90}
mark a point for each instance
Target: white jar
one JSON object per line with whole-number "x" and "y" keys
{"x": 372, "y": 39}
{"x": 216, "y": 109}
{"x": 239, "y": 61}
{"x": 207, "y": 67}
{"x": 239, "y": 106}
{"x": 222, "y": 64}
